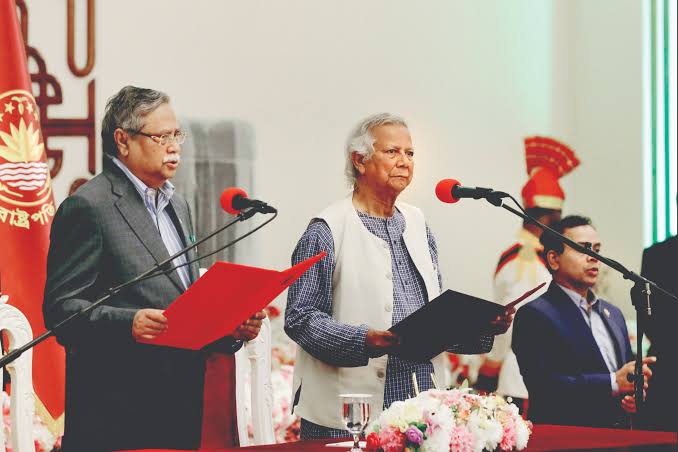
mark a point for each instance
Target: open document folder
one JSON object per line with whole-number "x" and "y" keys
{"x": 223, "y": 298}
{"x": 450, "y": 318}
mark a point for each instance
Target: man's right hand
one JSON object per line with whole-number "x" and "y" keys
{"x": 379, "y": 343}
{"x": 627, "y": 387}
{"x": 148, "y": 324}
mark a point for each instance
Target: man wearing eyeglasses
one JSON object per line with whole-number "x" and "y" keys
{"x": 572, "y": 347}
{"x": 122, "y": 394}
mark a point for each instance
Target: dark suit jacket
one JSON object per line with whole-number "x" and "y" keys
{"x": 564, "y": 371}
{"x": 119, "y": 394}
{"x": 659, "y": 265}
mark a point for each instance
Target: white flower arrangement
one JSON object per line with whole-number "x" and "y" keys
{"x": 454, "y": 420}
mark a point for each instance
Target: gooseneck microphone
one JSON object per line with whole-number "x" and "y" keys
{"x": 234, "y": 200}
{"x": 451, "y": 191}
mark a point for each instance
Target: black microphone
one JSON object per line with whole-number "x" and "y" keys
{"x": 451, "y": 191}
{"x": 234, "y": 200}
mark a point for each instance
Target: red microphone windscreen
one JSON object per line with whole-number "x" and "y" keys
{"x": 444, "y": 190}
{"x": 227, "y": 196}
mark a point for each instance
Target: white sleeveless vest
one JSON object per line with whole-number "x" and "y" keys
{"x": 362, "y": 293}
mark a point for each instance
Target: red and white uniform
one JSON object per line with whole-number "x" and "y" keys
{"x": 520, "y": 269}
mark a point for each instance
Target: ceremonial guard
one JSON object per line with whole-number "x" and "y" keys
{"x": 521, "y": 267}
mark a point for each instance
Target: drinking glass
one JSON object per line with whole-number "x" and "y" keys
{"x": 356, "y": 415}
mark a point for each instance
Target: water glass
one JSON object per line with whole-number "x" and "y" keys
{"x": 356, "y": 415}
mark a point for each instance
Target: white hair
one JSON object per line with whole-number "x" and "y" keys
{"x": 361, "y": 140}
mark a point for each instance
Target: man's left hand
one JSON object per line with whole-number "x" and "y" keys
{"x": 502, "y": 323}
{"x": 628, "y": 403}
{"x": 250, "y": 328}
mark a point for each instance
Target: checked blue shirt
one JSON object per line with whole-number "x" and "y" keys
{"x": 309, "y": 322}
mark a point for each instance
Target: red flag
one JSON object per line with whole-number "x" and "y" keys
{"x": 26, "y": 211}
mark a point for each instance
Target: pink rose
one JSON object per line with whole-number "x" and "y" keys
{"x": 461, "y": 439}
{"x": 453, "y": 398}
{"x": 508, "y": 440}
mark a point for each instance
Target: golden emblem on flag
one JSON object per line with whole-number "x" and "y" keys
{"x": 24, "y": 173}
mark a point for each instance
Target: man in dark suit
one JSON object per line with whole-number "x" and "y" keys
{"x": 573, "y": 347}
{"x": 659, "y": 265}
{"x": 122, "y": 394}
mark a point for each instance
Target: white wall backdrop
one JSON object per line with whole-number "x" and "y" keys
{"x": 605, "y": 89}
{"x": 472, "y": 77}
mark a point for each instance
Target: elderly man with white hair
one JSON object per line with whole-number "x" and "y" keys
{"x": 381, "y": 266}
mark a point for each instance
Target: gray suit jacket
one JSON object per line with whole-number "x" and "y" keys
{"x": 119, "y": 394}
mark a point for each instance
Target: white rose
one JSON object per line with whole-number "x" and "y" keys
{"x": 439, "y": 441}
{"x": 412, "y": 412}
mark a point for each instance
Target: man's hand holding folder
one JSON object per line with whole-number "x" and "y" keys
{"x": 449, "y": 319}
{"x": 380, "y": 343}
{"x": 249, "y": 329}
{"x": 226, "y": 301}
{"x": 503, "y": 322}
{"x": 148, "y": 324}
{"x": 151, "y": 323}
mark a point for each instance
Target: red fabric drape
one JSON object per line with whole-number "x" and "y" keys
{"x": 544, "y": 438}
{"x": 219, "y": 422}
{"x": 26, "y": 208}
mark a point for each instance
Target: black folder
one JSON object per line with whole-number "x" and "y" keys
{"x": 449, "y": 319}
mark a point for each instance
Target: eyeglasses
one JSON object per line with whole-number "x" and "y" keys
{"x": 177, "y": 137}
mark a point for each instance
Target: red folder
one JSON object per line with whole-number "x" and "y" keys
{"x": 222, "y": 299}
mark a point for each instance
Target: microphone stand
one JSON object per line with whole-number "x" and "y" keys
{"x": 641, "y": 286}
{"x": 154, "y": 271}
{"x": 228, "y": 245}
